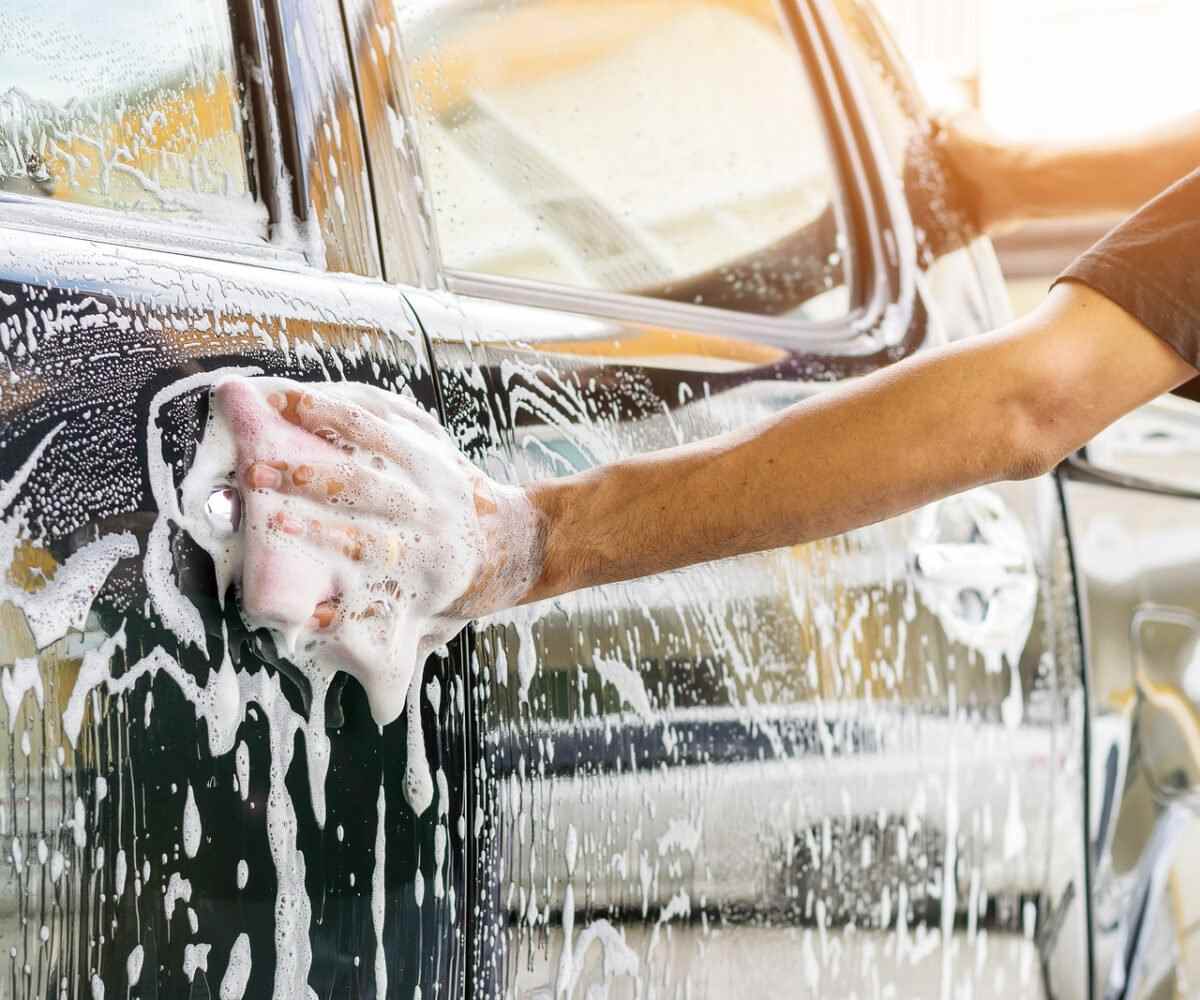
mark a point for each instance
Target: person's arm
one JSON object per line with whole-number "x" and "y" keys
{"x": 1007, "y": 405}
{"x": 377, "y": 496}
{"x": 1013, "y": 182}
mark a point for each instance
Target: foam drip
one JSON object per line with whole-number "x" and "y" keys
{"x": 418, "y": 550}
{"x": 379, "y": 892}
{"x": 237, "y": 972}
{"x": 191, "y": 824}
{"x": 63, "y": 603}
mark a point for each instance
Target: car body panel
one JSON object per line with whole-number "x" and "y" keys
{"x": 665, "y": 752}
{"x": 1133, "y": 499}
{"x": 120, "y": 812}
{"x": 857, "y": 765}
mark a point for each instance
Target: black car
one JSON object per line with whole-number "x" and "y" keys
{"x": 574, "y": 230}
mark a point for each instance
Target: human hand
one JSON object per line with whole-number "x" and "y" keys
{"x": 991, "y": 172}
{"x": 366, "y": 538}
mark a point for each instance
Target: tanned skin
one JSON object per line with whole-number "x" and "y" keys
{"x": 1020, "y": 182}
{"x": 1007, "y": 405}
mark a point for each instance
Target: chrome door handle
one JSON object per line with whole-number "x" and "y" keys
{"x": 224, "y": 510}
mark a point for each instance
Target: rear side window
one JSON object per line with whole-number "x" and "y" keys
{"x": 670, "y": 149}
{"x": 126, "y": 106}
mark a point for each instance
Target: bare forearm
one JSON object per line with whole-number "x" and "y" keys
{"x": 824, "y": 466}
{"x": 998, "y": 407}
{"x": 1116, "y": 175}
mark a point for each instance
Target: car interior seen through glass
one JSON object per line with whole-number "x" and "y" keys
{"x": 120, "y": 108}
{"x": 677, "y": 154}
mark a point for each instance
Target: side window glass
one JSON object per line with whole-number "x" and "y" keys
{"x": 961, "y": 270}
{"x": 677, "y": 152}
{"x": 126, "y": 108}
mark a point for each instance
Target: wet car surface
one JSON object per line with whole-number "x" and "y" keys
{"x": 575, "y": 232}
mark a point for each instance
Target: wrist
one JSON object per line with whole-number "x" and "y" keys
{"x": 545, "y": 504}
{"x": 510, "y": 546}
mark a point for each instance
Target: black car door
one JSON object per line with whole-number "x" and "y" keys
{"x": 183, "y": 196}
{"x": 824, "y": 770}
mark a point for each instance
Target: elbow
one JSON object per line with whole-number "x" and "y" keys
{"x": 1041, "y": 425}
{"x": 1028, "y": 456}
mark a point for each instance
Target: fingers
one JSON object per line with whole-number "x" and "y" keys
{"x": 330, "y": 612}
{"x": 324, "y": 614}
{"x": 276, "y": 420}
{"x": 366, "y": 492}
{"x": 322, "y": 483}
{"x": 336, "y": 421}
{"x": 346, "y": 540}
{"x": 244, "y": 408}
{"x": 349, "y": 425}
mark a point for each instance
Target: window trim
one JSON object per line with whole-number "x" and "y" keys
{"x": 190, "y": 237}
{"x": 885, "y": 210}
{"x": 115, "y": 228}
{"x": 851, "y": 333}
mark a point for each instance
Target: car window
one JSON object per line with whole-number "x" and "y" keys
{"x": 672, "y": 149}
{"x": 114, "y": 107}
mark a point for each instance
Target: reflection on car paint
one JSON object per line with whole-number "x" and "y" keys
{"x": 124, "y": 868}
{"x": 832, "y": 742}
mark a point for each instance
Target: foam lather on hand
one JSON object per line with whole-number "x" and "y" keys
{"x": 365, "y": 539}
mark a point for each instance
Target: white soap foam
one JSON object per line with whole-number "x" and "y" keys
{"x": 195, "y": 958}
{"x": 133, "y": 965}
{"x": 433, "y": 692}
{"x": 222, "y": 714}
{"x": 237, "y": 972}
{"x": 379, "y": 893}
{"x": 680, "y": 835}
{"x": 439, "y": 859}
{"x": 618, "y": 958}
{"x": 178, "y": 888}
{"x": 19, "y": 679}
{"x": 242, "y": 761}
{"x": 177, "y": 612}
{"x": 405, "y": 495}
{"x": 120, "y": 872}
{"x": 191, "y": 824}
{"x": 63, "y": 603}
{"x": 629, "y": 685}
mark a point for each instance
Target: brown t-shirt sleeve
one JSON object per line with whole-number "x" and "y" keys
{"x": 1149, "y": 265}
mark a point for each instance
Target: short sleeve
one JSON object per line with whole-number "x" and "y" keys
{"x": 1149, "y": 265}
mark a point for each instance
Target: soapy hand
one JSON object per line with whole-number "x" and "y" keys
{"x": 989, "y": 170}
{"x": 366, "y": 538}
